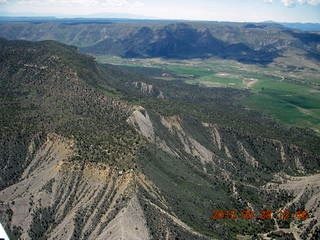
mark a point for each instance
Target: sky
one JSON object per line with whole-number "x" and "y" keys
{"x": 213, "y": 10}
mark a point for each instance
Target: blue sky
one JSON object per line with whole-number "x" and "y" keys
{"x": 216, "y": 10}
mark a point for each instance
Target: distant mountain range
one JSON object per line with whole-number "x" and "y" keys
{"x": 116, "y": 17}
{"x": 244, "y": 42}
{"x": 301, "y": 26}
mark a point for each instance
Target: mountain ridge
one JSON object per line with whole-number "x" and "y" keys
{"x": 104, "y": 146}
{"x": 245, "y": 42}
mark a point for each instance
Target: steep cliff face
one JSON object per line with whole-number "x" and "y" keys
{"x": 56, "y": 198}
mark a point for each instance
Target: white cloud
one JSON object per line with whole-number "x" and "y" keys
{"x": 3, "y": 1}
{"x": 290, "y": 3}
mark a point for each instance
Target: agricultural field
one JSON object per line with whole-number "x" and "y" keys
{"x": 290, "y": 95}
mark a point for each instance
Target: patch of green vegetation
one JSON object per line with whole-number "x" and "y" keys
{"x": 43, "y": 218}
{"x": 216, "y": 81}
{"x": 290, "y": 103}
{"x": 108, "y": 59}
{"x": 191, "y": 71}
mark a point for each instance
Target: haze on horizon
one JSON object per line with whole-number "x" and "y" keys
{"x": 213, "y": 10}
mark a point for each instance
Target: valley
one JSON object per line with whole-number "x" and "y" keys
{"x": 291, "y": 97}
